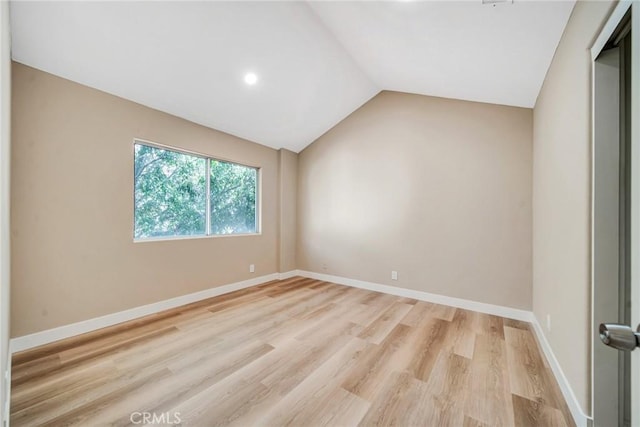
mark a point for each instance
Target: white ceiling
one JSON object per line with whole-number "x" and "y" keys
{"x": 453, "y": 49}
{"x": 316, "y": 62}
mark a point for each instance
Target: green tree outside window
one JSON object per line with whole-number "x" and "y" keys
{"x": 170, "y": 196}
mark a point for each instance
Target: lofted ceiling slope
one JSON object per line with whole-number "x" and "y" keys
{"x": 452, "y": 49}
{"x": 316, "y": 62}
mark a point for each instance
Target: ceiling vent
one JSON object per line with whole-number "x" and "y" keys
{"x": 494, "y": 3}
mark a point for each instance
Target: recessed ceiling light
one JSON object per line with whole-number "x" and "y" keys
{"x": 250, "y": 79}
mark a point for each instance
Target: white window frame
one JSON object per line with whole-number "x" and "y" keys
{"x": 208, "y": 158}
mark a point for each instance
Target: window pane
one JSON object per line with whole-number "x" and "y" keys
{"x": 170, "y": 193}
{"x": 233, "y": 198}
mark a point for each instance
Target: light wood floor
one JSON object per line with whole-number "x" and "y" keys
{"x": 296, "y": 352}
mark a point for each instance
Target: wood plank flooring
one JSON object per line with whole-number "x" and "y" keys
{"x": 296, "y": 352}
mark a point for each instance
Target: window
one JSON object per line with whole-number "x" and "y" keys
{"x": 178, "y": 194}
{"x": 232, "y": 198}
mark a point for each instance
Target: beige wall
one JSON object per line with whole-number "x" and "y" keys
{"x": 561, "y": 197}
{"x": 288, "y": 177}
{"x": 436, "y": 189}
{"x": 73, "y": 256}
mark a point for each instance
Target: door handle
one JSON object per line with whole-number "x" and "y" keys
{"x": 621, "y": 337}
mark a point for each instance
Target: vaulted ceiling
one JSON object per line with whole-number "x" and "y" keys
{"x": 315, "y": 62}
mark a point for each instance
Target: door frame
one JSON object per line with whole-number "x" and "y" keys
{"x": 635, "y": 204}
{"x": 610, "y": 26}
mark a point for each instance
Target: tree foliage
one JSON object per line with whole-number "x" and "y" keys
{"x": 233, "y": 198}
{"x": 170, "y": 195}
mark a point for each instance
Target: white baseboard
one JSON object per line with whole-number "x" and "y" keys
{"x": 288, "y": 274}
{"x": 498, "y": 310}
{"x": 581, "y": 419}
{"x": 45, "y": 337}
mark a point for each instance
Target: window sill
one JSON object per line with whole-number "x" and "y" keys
{"x": 211, "y": 236}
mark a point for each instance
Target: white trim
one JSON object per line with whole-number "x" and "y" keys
{"x": 288, "y": 274}
{"x": 581, "y": 419}
{"x": 608, "y": 29}
{"x": 498, "y": 310}
{"x": 635, "y": 206}
{"x": 153, "y": 144}
{"x": 192, "y": 237}
{"x": 207, "y": 183}
{"x": 45, "y": 337}
{"x": 592, "y": 224}
{"x": 51, "y": 335}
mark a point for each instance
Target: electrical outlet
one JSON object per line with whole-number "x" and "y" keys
{"x": 252, "y": 268}
{"x": 324, "y": 266}
{"x": 394, "y": 275}
{"x": 548, "y": 322}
